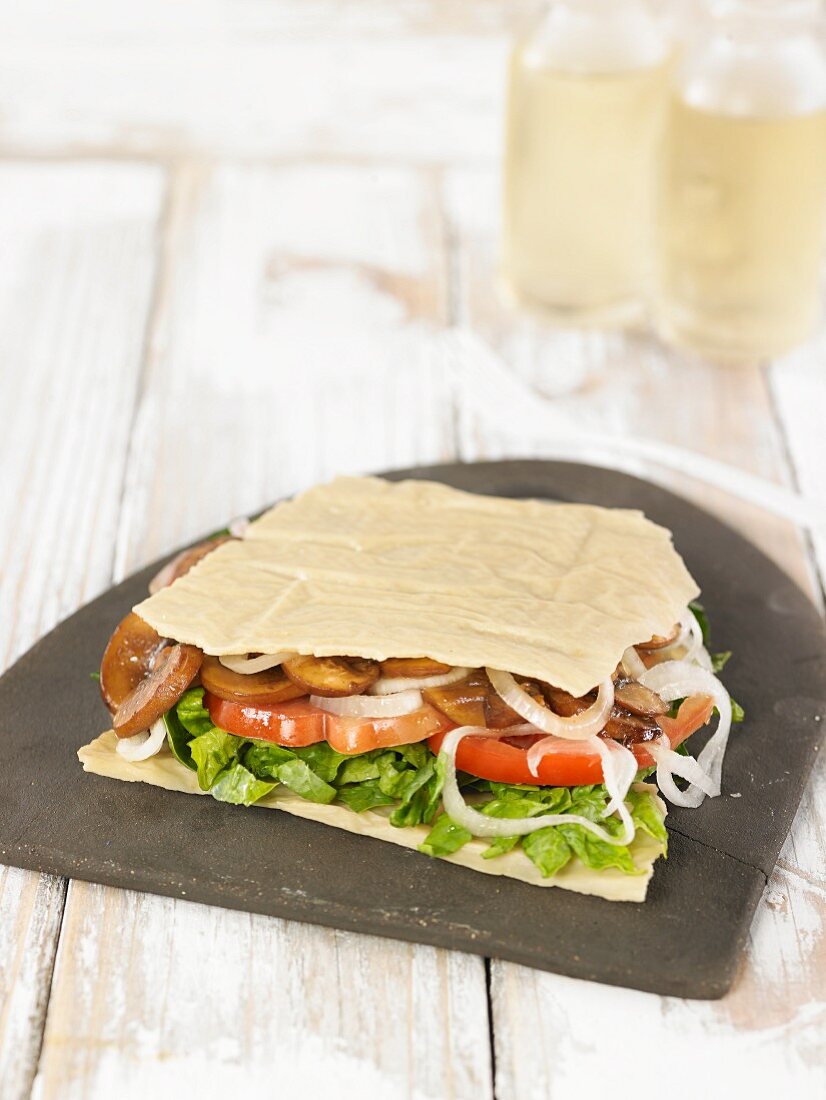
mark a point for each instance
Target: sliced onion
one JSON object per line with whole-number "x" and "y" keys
{"x": 619, "y": 770}
{"x": 688, "y": 645}
{"x": 669, "y": 764}
{"x": 238, "y": 527}
{"x": 677, "y": 680}
{"x": 370, "y": 706}
{"x": 481, "y": 825}
{"x": 248, "y": 665}
{"x": 632, "y": 664}
{"x": 576, "y": 728}
{"x": 166, "y": 575}
{"x": 140, "y": 746}
{"x": 389, "y": 685}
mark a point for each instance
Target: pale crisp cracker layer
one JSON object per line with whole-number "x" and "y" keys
{"x": 165, "y": 771}
{"x": 367, "y": 568}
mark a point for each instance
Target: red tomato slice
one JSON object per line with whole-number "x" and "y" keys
{"x": 504, "y": 760}
{"x": 354, "y": 735}
{"x": 299, "y": 723}
{"x": 294, "y": 724}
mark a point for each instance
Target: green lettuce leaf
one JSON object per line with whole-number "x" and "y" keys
{"x": 500, "y": 845}
{"x": 212, "y": 752}
{"x": 699, "y": 613}
{"x": 300, "y": 777}
{"x": 323, "y": 759}
{"x": 720, "y": 660}
{"x": 359, "y": 769}
{"x": 596, "y": 853}
{"x": 548, "y": 850}
{"x": 364, "y": 796}
{"x": 263, "y": 758}
{"x": 192, "y": 714}
{"x": 178, "y": 739}
{"x": 647, "y": 817}
{"x": 239, "y": 786}
{"x": 444, "y": 838}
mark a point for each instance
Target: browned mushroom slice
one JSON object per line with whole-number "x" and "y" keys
{"x": 463, "y": 701}
{"x": 174, "y": 670}
{"x": 473, "y": 702}
{"x": 498, "y": 715}
{"x": 660, "y": 641}
{"x": 401, "y": 667}
{"x": 565, "y": 704}
{"x": 183, "y": 562}
{"x": 256, "y": 688}
{"x": 127, "y": 659}
{"x": 630, "y": 728}
{"x": 639, "y": 700}
{"x": 332, "y": 676}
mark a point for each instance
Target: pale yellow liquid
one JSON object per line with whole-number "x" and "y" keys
{"x": 741, "y": 235}
{"x": 578, "y": 203}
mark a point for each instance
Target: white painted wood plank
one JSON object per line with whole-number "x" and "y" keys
{"x": 76, "y": 270}
{"x": 769, "y": 1032}
{"x": 798, "y": 385}
{"x": 156, "y": 995}
{"x": 281, "y": 79}
{"x": 292, "y": 340}
{"x": 31, "y": 908}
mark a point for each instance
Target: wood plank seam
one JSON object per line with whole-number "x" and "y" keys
{"x": 793, "y": 477}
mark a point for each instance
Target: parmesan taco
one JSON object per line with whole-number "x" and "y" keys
{"x": 490, "y": 681}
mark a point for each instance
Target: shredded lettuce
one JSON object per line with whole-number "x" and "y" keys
{"x": 551, "y": 848}
{"x": 212, "y": 752}
{"x": 408, "y": 780}
{"x": 238, "y": 785}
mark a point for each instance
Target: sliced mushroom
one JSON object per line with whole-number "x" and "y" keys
{"x": 332, "y": 676}
{"x": 630, "y": 728}
{"x": 463, "y": 701}
{"x": 473, "y": 702}
{"x": 639, "y": 700}
{"x": 402, "y": 667}
{"x": 256, "y": 688}
{"x": 660, "y": 641}
{"x": 183, "y": 562}
{"x": 128, "y": 659}
{"x": 174, "y": 670}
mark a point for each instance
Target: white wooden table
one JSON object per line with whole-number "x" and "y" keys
{"x": 230, "y": 236}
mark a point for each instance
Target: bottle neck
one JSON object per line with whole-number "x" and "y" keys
{"x": 597, "y": 36}
{"x": 756, "y": 59}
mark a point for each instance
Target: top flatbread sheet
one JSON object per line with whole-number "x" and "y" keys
{"x": 367, "y": 568}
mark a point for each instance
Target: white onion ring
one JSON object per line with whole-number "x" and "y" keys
{"x": 679, "y": 679}
{"x": 238, "y": 527}
{"x": 390, "y": 685}
{"x": 690, "y": 641}
{"x": 481, "y": 825}
{"x": 669, "y": 764}
{"x": 576, "y": 728}
{"x": 632, "y": 664}
{"x": 166, "y": 575}
{"x": 248, "y": 665}
{"x": 619, "y": 770}
{"x": 371, "y": 706}
{"x": 140, "y": 746}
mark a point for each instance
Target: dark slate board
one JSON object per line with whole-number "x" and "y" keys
{"x": 685, "y": 940}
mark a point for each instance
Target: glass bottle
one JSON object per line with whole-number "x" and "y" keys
{"x": 587, "y": 91}
{"x": 742, "y": 210}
